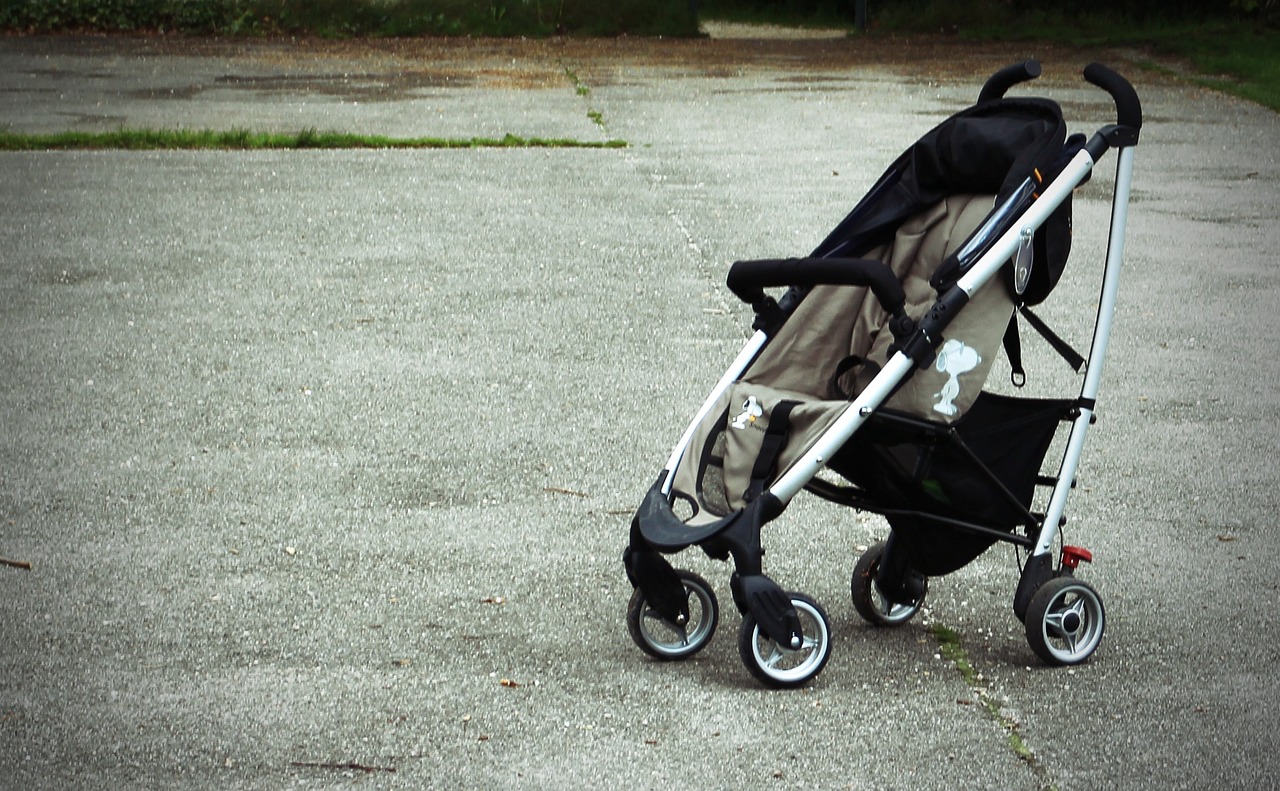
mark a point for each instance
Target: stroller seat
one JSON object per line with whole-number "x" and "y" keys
{"x": 834, "y": 343}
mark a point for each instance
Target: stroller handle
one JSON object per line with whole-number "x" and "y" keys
{"x": 1008, "y": 77}
{"x": 1128, "y": 106}
{"x": 748, "y": 279}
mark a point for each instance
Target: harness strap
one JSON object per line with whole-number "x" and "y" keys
{"x": 1013, "y": 350}
{"x": 775, "y": 439}
{"x": 1013, "y": 345}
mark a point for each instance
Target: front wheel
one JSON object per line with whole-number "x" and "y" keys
{"x": 662, "y": 639}
{"x": 785, "y": 668}
{"x": 1065, "y": 621}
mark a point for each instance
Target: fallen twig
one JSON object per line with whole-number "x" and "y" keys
{"x": 17, "y": 564}
{"x": 351, "y": 765}
{"x": 561, "y": 490}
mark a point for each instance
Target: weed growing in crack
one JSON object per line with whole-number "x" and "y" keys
{"x": 583, "y": 90}
{"x": 951, "y": 647}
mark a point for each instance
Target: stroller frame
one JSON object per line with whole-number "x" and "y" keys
{"x": 785, "y": 637}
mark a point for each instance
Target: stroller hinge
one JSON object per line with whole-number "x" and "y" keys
{"x": 926, "y": 339}
{"x": 769, "y": 314}
{"x": 1113, "y": 136}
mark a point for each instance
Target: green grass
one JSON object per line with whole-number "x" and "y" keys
{"x": 241, "y": 139}
{"x": 951, "y": 647}
{"x": 1236, "y": 57}
{"x": 1237, "y": 53}
{"x": 1233, "y": 54}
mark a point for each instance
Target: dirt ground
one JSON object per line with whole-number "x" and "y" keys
{"x": 532, "y": 63}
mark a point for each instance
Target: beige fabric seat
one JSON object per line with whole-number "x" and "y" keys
{"x": 830, "y": 325}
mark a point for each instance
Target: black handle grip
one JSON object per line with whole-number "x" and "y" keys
{"x": 1008, "y": 77}
{"x": 1128, "y": 106}
{"x": 748, "y": 279}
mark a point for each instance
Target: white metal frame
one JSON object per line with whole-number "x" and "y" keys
{"x": 802, "y": 471}
{"x": 1097, "y": 352}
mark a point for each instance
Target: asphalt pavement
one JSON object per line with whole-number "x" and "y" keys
{"x": 316, "y": 466}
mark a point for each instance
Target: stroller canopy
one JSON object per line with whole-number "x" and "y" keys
{"x": 990, "y": 148}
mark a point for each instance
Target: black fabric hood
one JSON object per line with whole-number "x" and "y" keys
{"x": 990, "y": 148}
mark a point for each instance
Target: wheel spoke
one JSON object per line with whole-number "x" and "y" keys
{"x": 1080, "y": 615}
{"x": 1078, "y": 608}
{"x": 1061, "y": 632}
{"x": 775, "y": 656}
{"x": 680, "y": 633}
{"x": 1054, "y": 621}
{"x": 1064, "y": 621}
{"x": 1070, "y": 639}
{"x": 886, "y": 606}
{"x": 1075, "y": 613}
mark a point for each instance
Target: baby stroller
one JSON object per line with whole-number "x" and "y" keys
{"x": 870, "y": 369}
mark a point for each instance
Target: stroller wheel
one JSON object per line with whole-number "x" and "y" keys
{"x": 1065, "y": 621}
{"x": 662, "y": 639}
{"x": 779, "y": 667}
{"x": 874, "y": 607}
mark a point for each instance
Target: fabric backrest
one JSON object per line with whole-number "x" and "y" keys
{"x": 836, "y": 323}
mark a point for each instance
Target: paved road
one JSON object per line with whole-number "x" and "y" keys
{"x": 323, "y": 460}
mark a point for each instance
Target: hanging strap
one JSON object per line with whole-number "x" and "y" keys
{"x": 775, "y": 439}
{"x": 1013, "y": 345}
{"x": 1013, "y": 350}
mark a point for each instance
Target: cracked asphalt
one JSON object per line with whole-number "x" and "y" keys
{"x": 323, "y": 461}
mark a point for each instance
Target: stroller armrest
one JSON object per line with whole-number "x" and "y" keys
{"x": 748, "y": 279}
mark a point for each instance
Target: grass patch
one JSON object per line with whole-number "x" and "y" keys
{"x": 951, "y": 647}
{"x": 1236, "y": 54}
{"x": 245, "y": 140}
{"x": 1232, "y": 58}
{"x": 1236, "y": 57}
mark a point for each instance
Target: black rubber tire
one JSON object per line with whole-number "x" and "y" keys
{"x": 666, "y": 641}
{"x": 780, "y": 668}
{"x": 1065, "y": 621}
{"x": 870, "y": 604}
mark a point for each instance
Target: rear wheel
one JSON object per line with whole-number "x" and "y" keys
{"x": 1065, "y": 621}
{"x": 662, "y": 639}
{"x": 874, "y": 607}
{"x": 785, "y": 668}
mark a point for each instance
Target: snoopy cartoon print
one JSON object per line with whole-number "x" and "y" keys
{"x": 751, "y": 410}
{"x": 955, "y": 359}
